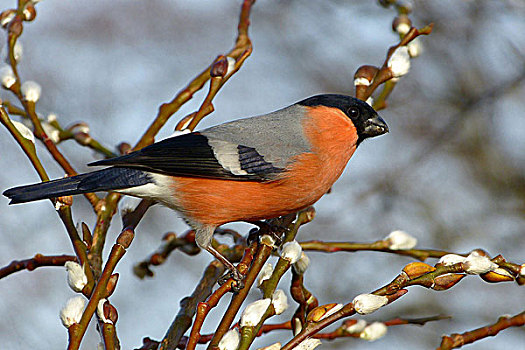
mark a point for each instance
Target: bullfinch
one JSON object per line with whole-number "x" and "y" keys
{"x": 245, "y": 170}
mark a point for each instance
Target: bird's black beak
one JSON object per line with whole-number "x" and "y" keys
{"x": 375, "y": 126}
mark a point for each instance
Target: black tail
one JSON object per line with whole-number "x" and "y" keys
{"x": 102, "y": 180}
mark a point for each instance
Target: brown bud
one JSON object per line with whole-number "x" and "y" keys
{"x": 401, "y": 24}
{"x": 82, "y": 138}
{"x": 362, "y": 79}
{"x": 367, "y": 72}
{"x": 184, "y": 122}
{"x": 110, "y": 312}
{"x": 126, "y": 237}
{"x": 480, "y": 252}
{"x": 447, "y": 281}
{"x": 112, "y": 284}
{"x": 307, "y": 215}
{"x": 157, "y": 259}
{"x": 498, "y": 275}
{"x": 189, "y": 236}
{"x": 15, "y": 27}
{"x": 86, "y": 235}
{"x": 124, "y": 148}
{"x": 396, "y": 295}
{"x": 219, "y": 68}
{"x": 384, "y": 75}
{"x": 65, "y": 200}
{"x": 79, "y": 127}
{"x": 29, "y": 12}
{"x": 417, "y": 269}
{"x": 320, "y": 312}
{"x": 6, "y": 17}
{"x": 520, "y": 280}
{"x": 169, "y": 236}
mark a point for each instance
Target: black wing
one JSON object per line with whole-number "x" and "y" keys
{"x": 191, "y": 155}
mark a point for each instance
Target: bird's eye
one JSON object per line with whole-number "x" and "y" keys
{"x": 353, "y": 112}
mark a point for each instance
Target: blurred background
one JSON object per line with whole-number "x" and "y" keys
{"x": 450, "y": 172}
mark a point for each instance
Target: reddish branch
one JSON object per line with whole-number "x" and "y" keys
{"x": 31, "y": 264}
{"x": 338, "y": 333}
{"x": 379, "y": 246}
{"x": 458, "y": 340}
{"x": 306, "y": 300}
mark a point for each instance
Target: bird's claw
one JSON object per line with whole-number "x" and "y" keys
{"x": 237, "y": 277}
{"x": 275, "y": 230}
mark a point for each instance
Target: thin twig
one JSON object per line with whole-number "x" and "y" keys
{"x": 378, "y": 246}
{"x": 456, "y": 340}
{"x": 31, "y": 264}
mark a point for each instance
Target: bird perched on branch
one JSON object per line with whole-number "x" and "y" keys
{"x": 245, "y": 170}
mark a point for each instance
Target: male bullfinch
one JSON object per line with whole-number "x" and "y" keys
{"x": 245, "y": 170}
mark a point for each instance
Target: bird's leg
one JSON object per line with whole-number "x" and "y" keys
{"x": 203, "y": 237}
{"x": 236, "y": 275}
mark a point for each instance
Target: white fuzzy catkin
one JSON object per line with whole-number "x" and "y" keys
{"x": 451, "y": 259}
{"x": 265, "y": 273}
{"x": 400, "y": 240}
{"x": 302, "y": 264}
{"x": 279, "y": 301}
{"x": 476, "y": 264}
{"x": 230, "y": 340}
{"x": 368, "y": 303}
{"x": 332, "y": 311}
{"x": 403, "y": 28}
{"x": 357, "y": 327}
{"x": 253, "y": 313}
{"x": 51, "y": 132}
{"x": 291, "y": 251}
{"x": 374, "y": 331}
{"x": 76, "y": 278}
{"x": 72, "y": 312}
{"x": 361, "y": 81}
{"x": 100, "y": 311}
{"x": 308, "y": 344}
{"x": 399, "y": 62}
{"x": 231, "y": 65}
{"x": 24, "y": 131}
{"x": 7, "y": 76}
{"x": 31, "y": 91}
{"x": 415, "y": 48}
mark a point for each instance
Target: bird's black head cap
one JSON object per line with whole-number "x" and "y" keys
{"x": 366, "y": 120}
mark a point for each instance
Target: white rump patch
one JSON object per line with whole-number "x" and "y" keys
{"x": 159, "y": 190}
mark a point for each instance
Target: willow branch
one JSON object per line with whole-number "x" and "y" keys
{"x": 456, "y": 340}
{"x": 37, "y": 261}
{"x": 378, "y": 246}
